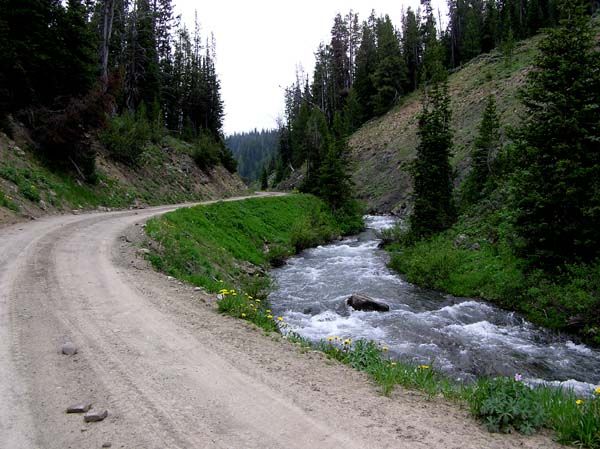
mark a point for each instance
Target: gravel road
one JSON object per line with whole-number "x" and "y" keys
{"x": 171, "y": 372}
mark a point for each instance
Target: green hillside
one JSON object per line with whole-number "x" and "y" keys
{"x": 383, "y": 148}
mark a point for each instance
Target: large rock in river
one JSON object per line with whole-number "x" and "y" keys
{"x": 366, "y": 304}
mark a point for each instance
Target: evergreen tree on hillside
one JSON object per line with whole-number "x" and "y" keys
{"x": 366, "y": 62}
{"x": 490, "y": 26}
{"x": 77, "y": 58}
{"x": 318, "y": 140}
{"x": 557, "y": 187}
{"x": 486, "y": 144}
{"x": 390, "y": 75}
{"x": 334, "y": 180}
{"x": 432, "y": 173}
{"x": 142, "y": 76}
{"x": 411, "y": 48}
{"x": 47, "y": 53}
{"x": 485, "y": 148}
{"x": 432, "y": 68}
{"x": 264, "y": 179}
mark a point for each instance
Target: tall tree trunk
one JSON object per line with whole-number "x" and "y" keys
{"x": 109, "y": 13}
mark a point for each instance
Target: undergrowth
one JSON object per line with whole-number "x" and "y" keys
{"x": 476, "y": 258}
{"x": 502, "y": 404}
{"x": 232, "y": 241}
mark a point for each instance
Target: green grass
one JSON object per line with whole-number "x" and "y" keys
{"x": 228, "y": 246}
{"x": 8, "y": 203}
{"x": 39, "y": 183}
{"x": 494, "y": 273}
{"x": 208, "y": 244}
{"x": 502, "y": 404}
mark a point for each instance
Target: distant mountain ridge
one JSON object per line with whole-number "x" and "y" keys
{"x": 253, "y": 150}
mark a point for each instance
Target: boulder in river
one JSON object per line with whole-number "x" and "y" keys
{"x": 366, "y": 304}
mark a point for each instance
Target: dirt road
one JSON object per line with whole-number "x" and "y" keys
{"x": 172, "y": 372}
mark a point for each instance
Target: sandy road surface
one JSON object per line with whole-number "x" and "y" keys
{"x": 170, "y": 370}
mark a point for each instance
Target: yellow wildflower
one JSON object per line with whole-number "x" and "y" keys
{"x": 279, "y": 318}
{"x": 243, "y": 315}
{"x": 579, "y": 401}
{"x": 424, "y": 366}
{"x": 330, "y": 339}
{"x": 385, "y": 349}
{"x": 257, "y": 300}
{"x": 270, "y": 317}
{"x": 269, "y": 311}
{"x": 597, "y": 391}
{"x": 394, "y": 363}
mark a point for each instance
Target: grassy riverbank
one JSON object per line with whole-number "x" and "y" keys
{"x": 502, "y": 404}
{"x": 476, "y": 258}
{"x": 227, "y": 247}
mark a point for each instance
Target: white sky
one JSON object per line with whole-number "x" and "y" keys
{"x": 261, "y": 42}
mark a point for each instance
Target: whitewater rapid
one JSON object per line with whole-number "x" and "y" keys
{"x": 465, "y": 338}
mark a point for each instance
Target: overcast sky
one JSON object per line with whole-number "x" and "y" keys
{"x": 261, "y": 42}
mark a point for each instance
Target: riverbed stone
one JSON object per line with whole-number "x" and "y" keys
{"x": 82, "y": 407}
{"x": 366, "y": 304}
{"x": 68, "y": 348}
{"x": 95, "y": 416}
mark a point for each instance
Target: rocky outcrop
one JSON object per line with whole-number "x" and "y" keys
{"x": 366, "y": 304}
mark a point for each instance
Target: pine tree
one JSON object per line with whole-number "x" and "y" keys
{"x": 318, "y": 140}
{"x": 490, "y": 27}
{"x": 485, "y": 148}
{"x": 143, "y": 77}
{"x": 390, "y": 75}
{"x": 77, "y": 59}
{"x": 486, "y": 145}
{"x": 366, "y": 61}
{"x": 264, "y": 179}
{"x": 557, "y": 188}
{"x": 411, "y": 48}
{"x": 432, "y": 173}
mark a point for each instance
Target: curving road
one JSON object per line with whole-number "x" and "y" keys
{"x": 171, "y": 372}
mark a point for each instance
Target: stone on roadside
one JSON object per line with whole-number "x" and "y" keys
{"x": 107, "y": 444}
{"x": 95, "y": 416}
{"x": 68, "y": 348}
{"x": 82, "y": 407}
{"x": 366, "y": 304}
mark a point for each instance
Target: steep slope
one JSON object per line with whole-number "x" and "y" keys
{"x": 167, "y": 174}
{"x": 383, "y": 148}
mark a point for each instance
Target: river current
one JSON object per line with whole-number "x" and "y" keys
{"x": 465, "y": 338}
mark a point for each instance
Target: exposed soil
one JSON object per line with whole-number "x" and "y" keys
{"x": 169, "y": 369}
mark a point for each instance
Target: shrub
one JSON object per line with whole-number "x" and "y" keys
{"x": 63, "y": 135}
{"x": 30, "y": 192}
{"x": 505, "y": 404}
{"x": 8, "y": 203}
{"x": 127, "y": 135}
{"x": 277, "y": 254}
{"x": 206, "y": 151}
{"x": 249, "y": 308}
